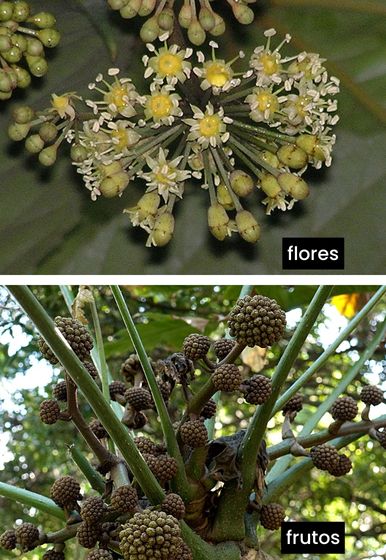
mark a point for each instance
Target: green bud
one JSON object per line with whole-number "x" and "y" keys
{"x": 5, "y": 43}
{"x": 166, "y": 19}
{"x": 49, "y": 37}
{"x": 294, "y": 185}
{"x": 270, "y": 185}
{"x": 206, "y": 18}
{"x": 218, "y": 221}
{"x": 243, "y": 14}
{"x": 163, "y": 229}
{"x": 18, "y": 132}
{"x": 130, "y": 10}
{"x": 150, "y": 30}
{"x": 114, "y": 185}
{"x": 23, "y": 77}
{"x": 6, "y": 84}
{"x": 196, "y": 33}
{"x": 241, "y": 183}
{"x": 21, "y": 11}
{"x": 148, "y": 205}
{"x": 78, "y": 153}
{"x": 34, "y": 144}
{"x": 146, "y": 7}
{"x": 6, "y": 11}
{"x": 292, "y": 156}
{"x": 5, "y": 95}
{"x": 48, "y": 132}
{"x": 47, "y": 157}
{"x": 23, "y": 114}
{"x": 20, "y": 41}
{"x": 117, "y": 4}
{"x": 13, "y": 55}
{"x": 270, "y": 158}
{"x": 34, "y": 47}
{"x": 37, "y": 65}
{"x": 219, "y": 26}
{"x": 43, "y": 20}
{"x": 196, "y": 162}
{"x": 110, "y": 169}
{"x": 247, "y": 226}
{"x": 310, "y": 144}
{"x": 185, "y": 16}
{"x": 224, "y": 198}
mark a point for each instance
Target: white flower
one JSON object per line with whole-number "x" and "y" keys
{"x": 162, "y": 106}
{"x": 168, "y": 63}
{"x": 209, "y": 128}
{"x": 164, "y": 175}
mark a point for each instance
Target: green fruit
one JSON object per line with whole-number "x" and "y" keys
{"x": 43, "y": 20}
{"x": 5, "y": 43}
{"x": 78, "y": 153}
{"x": 4, "y": 96}
{"x": 18, "y": 132}
{"x": 129, "y": 11}
{"x": 270, "y": 185}
{"x": 5, "y": 82}
{"x": 21, "y": 11}
{"x": 20, "y": 41}
{"x": 34, "y": 144}
{"x": 37, "y": 65}
{"x": 48, "y": 132}
{"x": 13, "y": 55}
{"x": 49, "y": 37}
{"x": 117, "y": 4}
{"x": 23, "y": 76}
{"x": 47, "y": 157}
{"x": 34, "y": 47}
{"x": 23, "y": 114}
{"x": 218, "y": 221}
{"x": 6, "y": 11}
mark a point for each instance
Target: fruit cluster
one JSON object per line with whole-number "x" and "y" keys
{"x": 23, "y": 36}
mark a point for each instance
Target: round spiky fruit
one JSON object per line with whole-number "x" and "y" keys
{"x": 165, "y": 388}
{"x": 131, "y": 367}
{"x": 209, "y": 409}
{"x": 226, "y": 378}
{"x": 151, "y": 534}
{"x": 371, "y": 394}
{"x": 93, "y": 509}
{"x": 295, "y": 404}
{"x": 88, "y": 534}
{"x": 343, "y": 467}
{"x": 257, "y": 389}
{"x": 272, "y": 516}
{"x": 185, "y": 553}
{"x": 222, "y": 347}
{"x": 91, "y": 369}
{"x": 53, "y": 555}
{"x": 66, "y": 492}
{"x": 163, "y": 467}
{"x": 174, "y": 505}
{"x": 324, "y": 457}
{"x": 124, "y": 499}
{"x": 97, "y": 427}
{"x": 8, "y": 539}
{"x": 59, "y": 392}
{"x": 138, "y": 398}
{"x": 196, "y": 346}
{"x": 76, "y": 335}
{"x": 49, "y": 411}
{"x": 99, "y": 554}
{"x": 145, "y": 445}
{"x": 194, "y": 433}
{"x": 26, "y": 536}
{"x": 344, "y": 409}
{"x": 117, "y": 388}
{"x": 257, "y": 321}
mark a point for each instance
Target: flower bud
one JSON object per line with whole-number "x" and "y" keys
{"x": 219, "y": 26}
{"x": 4, "y": 95}
{"x": 6, "y": 11}
{"x": 270, "y": 158}
{"x": 78, "y": 153}
{"x": 185, "y": 16}
{"x": 310, "y": 144}
{"x": 196, "y": 161}
{"x": 48, "y": 132}
{"x": 206, "y": 18}
{"x": 5, "y": 43}
{"x": 243, "y": 14}
{"x": 130, "y": 9}
{"x": 34, "y": 144}
{"x": 241, "y": 183}
{"x": 292, "y": 156}
{"x": 34, "y": 47}
{"x": 49, "y": 37}
{"x": 270, "y": 185}
{"x": 218, "y": 221}
{"x": 114, "y": 185}
{"x": 146, "y": 7}
{"x": 37, "y": 65}
{"x": 247, "y": 226}
{"x": 294, "y": 185}
{"x": 20, "y": 41}
{"x": 18, "y": 132}
{"x": 116, "y": 4}
{"x": 148, "y": 205}
{"x": 23, "y": 77}
{"x": 6, "y": 84}
{"x": 23, "y": 114}
{"x": 21, "y": 11}
{"x": 196, "y": 33}
{"x": 150, "y": 30}
{"x": 47, "y": 157}
{"x": 163, "y": 229}
{"x": 224, "y": 197}
{"x": 13, "y": 55}
{"x": 166, "y": 19}
{"x": 43, "y": 20}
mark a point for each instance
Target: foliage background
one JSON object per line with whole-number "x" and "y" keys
{"x": 37, "y": 454}
{"x": 49, "y": 225}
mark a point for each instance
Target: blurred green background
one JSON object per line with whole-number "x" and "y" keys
{"x": 49, "y": 225}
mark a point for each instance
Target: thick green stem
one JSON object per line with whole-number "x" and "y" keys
{"x": 95, "y": 479}
{"x": 181, "y": 481}
{"x": 31, "y": 499}
{"x": 82, "y": 378}
{"x": 204, "y": 551}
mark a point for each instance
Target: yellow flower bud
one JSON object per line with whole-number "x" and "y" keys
{"x": 241, "y": 183}
{"x": 270, "y": 185}
{"x": 114, "y": 185}
{"x": 163, "y": 229}
{"x": 218, "y": 221}
{"x": 294, "y": 185}
{"x": 148, "y": 205}
{"x": 224, "y": 197}
{"x": 292, "y": 156}
{"x": 248, "y": 227}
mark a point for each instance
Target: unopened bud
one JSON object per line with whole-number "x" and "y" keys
{"x": 224, "y": 197}
{"x": 23, "y": 114}
{"x": 48, "y": 131}
{"x": 34, "y": 144}
{"x": 196, "y": 33}
{"x": 146, "y": 8}
{"x": 219, "y": 26}
{"x": 78, "y": 153}
{"x": 37, "y": 65}
{"x": 270, "y": 185}
{"x": 21, "y": 11}
{"x": 310, "y": 144}
{"x": 185, "y": 16}
{"x": 206, "y": 18}
{"x": 241, "y": 183}
{"x": 34, "y": 47}
{"x": 130, "y": 9}
{"x": 43, "y": 20}
{"x": 243, "y": 14}
{"x": 294, "y": 185}
{"x": 150, "y": 30}
{"x": 18, "y": 132}
{"x": 270, "y": 158}
{"x": 218, "y": 221}
{"x": 110, "y": 169}
{"x": 49, "y": 37}
{"x": 114, "y": 185}
{"x": 47, "y": 157}
{"x": 292, "y": 156}
{"x": 166, "y": 19}
{"x": 23, "y": 77}
{"x": 163, "y": 229}
{"x": 148, "y": 205}
{"x": 116, "y": 4}
{"x": 247, "y": 226}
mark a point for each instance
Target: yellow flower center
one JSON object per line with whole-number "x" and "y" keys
{"x": 121, "y": 136}
{"x": 60, "y": 103}
{"x": 160, "y": 105}
{"x": 270, "y": 63}
{"x": 217, "y": 74}
{"x": 301, "y": 104}
{"x": 267, "y": 101}
{"x": 210, "y": 125}
{"x": 169, "y": 64}
{"x": 117, "y": 96}
{"x": 162, "y": 178}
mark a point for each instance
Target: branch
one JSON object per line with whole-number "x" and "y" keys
{"x": 32, "y": 499}
{"x": 95, "y": 479}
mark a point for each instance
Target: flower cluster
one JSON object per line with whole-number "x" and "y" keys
{"x": 237, "y": 132}
{"x": 196, "y": 16}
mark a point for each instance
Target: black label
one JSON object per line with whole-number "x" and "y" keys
{"x": 313, "y": 253}
{"x": 309, "y": 536}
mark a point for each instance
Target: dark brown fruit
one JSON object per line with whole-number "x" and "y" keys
{"x": 151, "y": 534}
{"x": 227, "y": 378}
{"x": 174, "y": 505}
{"x": 76, "y": 335}
{"x": 344, "y": 409}
{"x": 8, "y": 539}
{"x": 257, "y": 389}
{"x": 138, "y": 398}
{"x": 91, "y": 369}
{"x": 209, "y": 409}
{"x": 371, "y": 394}
{"x": 117, "y": 388}
{"x": 99, "y": 554}
{"x": 66, "y": 492}
{"x": 343, "y": 467}
{"x": 194, "y": 433}
{"x": 124, "y": 499}
{"x": 165, "y": 388}
{"x": 257, "y": 321}
{"x": 131, "y": 367}
{"x": 295, "y": 404}
{"x": 196, "y": 346}
{"x": 223, "y": 347}
{"x": 53, "y": 555}
{"x": 26, "y": 536}
{"x": 49, "y": 411}
{"x": 93, "y": 509}
{"x": 139, "y": 421}
{"x": 324, "y": 457}
{"x": 184, "y": 552}
{"x": 163, "y": 467}
{"x": 145, "y": 445}
{"x": 272, "y": 516}
{"x": 382, "y": 438}
{"x": 88, "y": 534}
{"x": 59, "y": 392}
{"x": 98, "y": 429}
